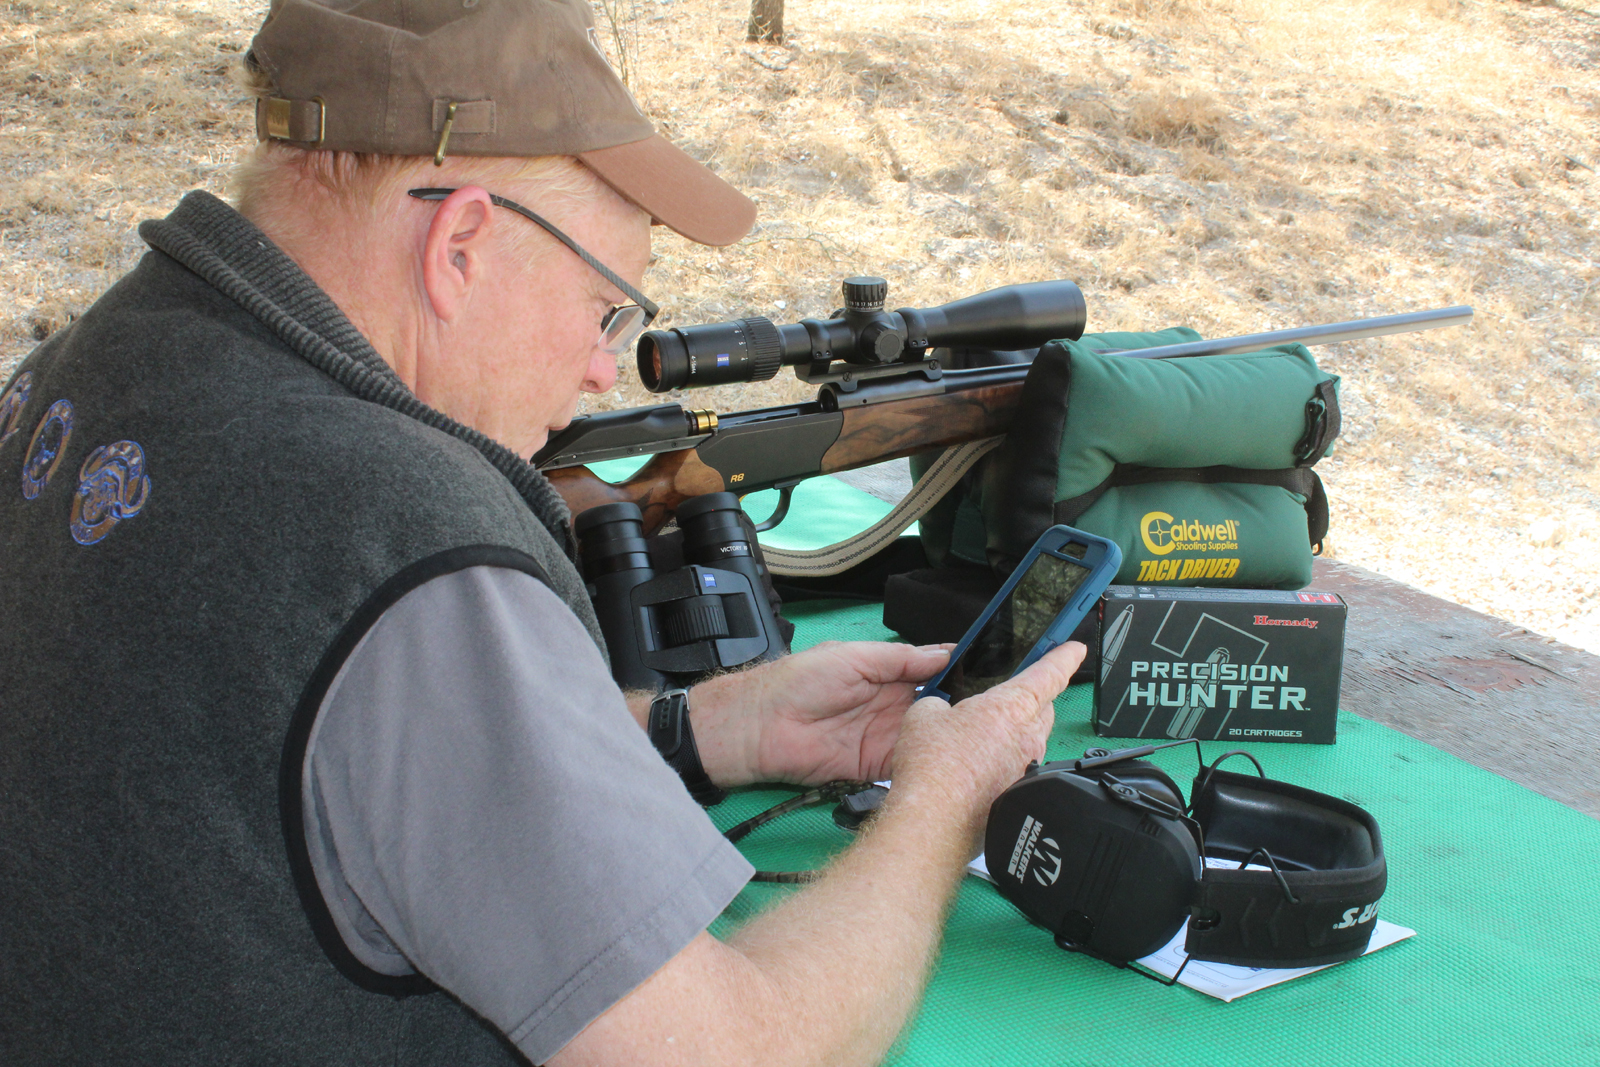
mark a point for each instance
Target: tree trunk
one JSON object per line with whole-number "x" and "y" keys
{"x": 766, "y": 21}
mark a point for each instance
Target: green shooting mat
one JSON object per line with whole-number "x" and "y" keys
{"x": 1501, "y": 885}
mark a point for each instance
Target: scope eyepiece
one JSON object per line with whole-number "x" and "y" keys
{"x": 746, "y": 350}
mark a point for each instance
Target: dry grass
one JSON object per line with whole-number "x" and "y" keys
{"x": 1229, "y": 164}
{"x": 108, "y": 113}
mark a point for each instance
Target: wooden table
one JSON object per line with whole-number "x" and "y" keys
{"x": 1513, "y": 702}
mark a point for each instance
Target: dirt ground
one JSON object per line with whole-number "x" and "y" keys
{"x": 1233, "y": 165}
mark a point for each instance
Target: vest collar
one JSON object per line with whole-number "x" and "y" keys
{"x": 238, "y": 260}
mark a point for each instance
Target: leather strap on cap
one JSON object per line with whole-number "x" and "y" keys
{"x": 671, "y": 734}
{"x": 472, "y": 116}
{"x": 302, "y": 121}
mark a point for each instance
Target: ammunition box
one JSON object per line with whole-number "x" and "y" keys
{"x": 1242, "y": 665}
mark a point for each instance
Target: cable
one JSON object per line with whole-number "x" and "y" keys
{"x": 831, "y": 791}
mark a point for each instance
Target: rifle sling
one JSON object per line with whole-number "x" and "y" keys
{"x": 939, "y": 480}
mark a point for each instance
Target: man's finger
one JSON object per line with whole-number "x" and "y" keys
{"x": 925, "y": 661}
{"x": 1046, "y": 678}
{"x": 886, "y": 661}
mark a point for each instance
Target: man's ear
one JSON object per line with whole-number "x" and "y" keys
{"x": 453, "y": 258}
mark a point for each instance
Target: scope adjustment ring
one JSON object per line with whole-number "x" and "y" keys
{"x": 766, "y": 348}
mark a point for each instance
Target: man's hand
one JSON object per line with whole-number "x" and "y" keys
{"x": 836, "y": 711}
{"x": 962, "y": 757}
{"x": 830, "y": 712}
{"x": 827, "y": 977}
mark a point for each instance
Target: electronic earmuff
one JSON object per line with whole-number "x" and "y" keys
{"x": 1103, "y": 852}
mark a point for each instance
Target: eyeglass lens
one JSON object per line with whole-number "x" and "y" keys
{"x": 622, "y": 327}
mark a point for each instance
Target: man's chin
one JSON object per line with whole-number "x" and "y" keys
{"x": 538, "y": 441}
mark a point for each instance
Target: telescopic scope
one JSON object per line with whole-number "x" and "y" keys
{"x": 863, "y": 334}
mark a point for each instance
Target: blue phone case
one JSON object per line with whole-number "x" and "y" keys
{"x": 1101, "y": 557}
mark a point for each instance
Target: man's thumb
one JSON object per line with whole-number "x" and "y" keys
{"x": 1046, "y": 678}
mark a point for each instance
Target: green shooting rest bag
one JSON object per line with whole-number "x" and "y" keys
{"x": 1199, "y": 468}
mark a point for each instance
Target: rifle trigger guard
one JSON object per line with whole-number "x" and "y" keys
{"x": 785, "y": 494}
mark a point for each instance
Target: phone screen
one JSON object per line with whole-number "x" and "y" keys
{"x": 1021, "y": 619}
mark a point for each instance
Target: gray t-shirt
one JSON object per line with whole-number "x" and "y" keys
{"x": 481, "y": 808}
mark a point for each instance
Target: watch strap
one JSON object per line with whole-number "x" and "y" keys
{"x": 673, "y": 737}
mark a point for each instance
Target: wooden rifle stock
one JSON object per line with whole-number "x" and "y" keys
{"x": 665, "y": 482}
{"x": 879, "y": 432}
{"x": 786, "y": 440}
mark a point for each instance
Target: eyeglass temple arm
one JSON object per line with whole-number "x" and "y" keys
{"x": 629, "y": 291}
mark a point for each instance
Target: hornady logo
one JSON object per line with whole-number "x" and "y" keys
{"x": 1350, "y": 918}
{"x": 1027, "y": 846}
{"x": 1262, "y": 620}
{"x": 1163, "y": 534}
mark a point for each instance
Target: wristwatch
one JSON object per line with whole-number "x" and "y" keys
{"x": 671, "y": 734}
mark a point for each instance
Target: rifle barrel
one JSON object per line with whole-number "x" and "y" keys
{"x": 1411, "y": 322}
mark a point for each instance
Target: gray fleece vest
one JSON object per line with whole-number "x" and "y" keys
{"x": 210, "y": 486}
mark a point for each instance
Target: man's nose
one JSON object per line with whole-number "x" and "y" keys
{"x": 602, "y": 372}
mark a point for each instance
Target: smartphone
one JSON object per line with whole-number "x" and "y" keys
{"x": 1037, "y": 609}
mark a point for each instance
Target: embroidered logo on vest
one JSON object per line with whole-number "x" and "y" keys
{"x": 12, "y": 403}
{"x": 112, "y": 486}
{"x": 44, "y": 453}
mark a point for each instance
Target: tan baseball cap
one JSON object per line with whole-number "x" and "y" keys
{"x": 478, "y": 78}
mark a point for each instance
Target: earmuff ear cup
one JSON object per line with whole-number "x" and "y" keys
{"x": 1103, "y": 874}
{"x": 1319, "y": 906}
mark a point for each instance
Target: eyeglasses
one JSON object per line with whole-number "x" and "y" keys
{"x": 624, "y": 323}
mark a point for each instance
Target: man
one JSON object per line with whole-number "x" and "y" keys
{"x": 309, "y": 749}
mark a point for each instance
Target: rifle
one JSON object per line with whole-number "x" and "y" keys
{"x": 884, "y": 392}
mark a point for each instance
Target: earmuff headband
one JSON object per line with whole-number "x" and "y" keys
{"x": 1318, "y": 906}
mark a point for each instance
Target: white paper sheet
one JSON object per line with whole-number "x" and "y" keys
{"x": 1227, "y": 982}
{"x": 1221, "y": 980}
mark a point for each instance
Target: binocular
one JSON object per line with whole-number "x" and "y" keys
{"x": 675, "y": 628}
